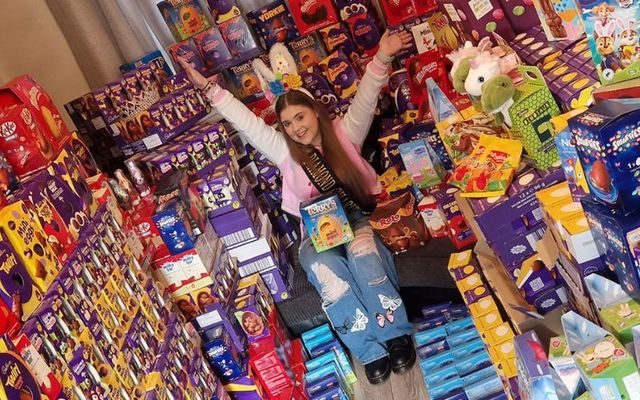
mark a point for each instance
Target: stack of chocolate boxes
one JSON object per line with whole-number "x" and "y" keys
{"x": 146, "y": 108}
{"x": 496, "y": 333}
{"x": 512, "y": 225}
{"x": 94, "y": 323}
{"x": 453, "y": 358}
{"x": 567, "y": 66}
{"x": 248, "y": 347}
{"x": 329, "y": 372}
{"x": 578, "y": 253}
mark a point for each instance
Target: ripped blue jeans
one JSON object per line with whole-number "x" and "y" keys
{"x": 359, "y": 289}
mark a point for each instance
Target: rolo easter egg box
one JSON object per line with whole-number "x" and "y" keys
{"x": 531, "y": 114}
{"x": 607, "y": 140}
{"x": 326, "y": 222}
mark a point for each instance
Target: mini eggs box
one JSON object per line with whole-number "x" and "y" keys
{"x": 326, "y": 222}
{"x": 273, "y": 23}
{"x": 607, "y": 143}
{"x": 19, "y": 226}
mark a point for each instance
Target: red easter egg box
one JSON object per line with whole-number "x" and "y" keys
{"x": 311, "y": 15}
{"x": 426, "y": 65}
{"x": 398, "y": 11}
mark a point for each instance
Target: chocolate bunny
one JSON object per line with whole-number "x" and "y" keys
{"x": 605, "y": 39}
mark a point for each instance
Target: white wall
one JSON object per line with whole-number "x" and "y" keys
{"x": 32, "y": 43}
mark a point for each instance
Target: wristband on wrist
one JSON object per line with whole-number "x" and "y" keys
{"x": 384, "y": 58}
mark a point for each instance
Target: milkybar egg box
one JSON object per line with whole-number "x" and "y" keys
{"x": 17, "y": 289}
{"x": 19, "y": 225}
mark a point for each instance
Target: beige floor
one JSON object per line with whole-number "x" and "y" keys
{"x": 409, "y": 386}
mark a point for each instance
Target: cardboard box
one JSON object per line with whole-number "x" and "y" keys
{"x": 603, "y": 361}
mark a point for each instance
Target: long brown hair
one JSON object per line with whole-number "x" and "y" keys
{"x": 332, "y": 151}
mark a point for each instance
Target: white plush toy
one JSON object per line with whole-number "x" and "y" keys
{"x": 283, "y": 74}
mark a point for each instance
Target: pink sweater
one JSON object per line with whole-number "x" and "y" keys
{"x": 351, "y": 130}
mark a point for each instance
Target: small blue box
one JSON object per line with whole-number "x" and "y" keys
{"x": 175, "y": 229}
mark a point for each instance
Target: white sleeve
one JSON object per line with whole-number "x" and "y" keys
{"x": 263, "y": 137}
{"x": 357, "y": 121}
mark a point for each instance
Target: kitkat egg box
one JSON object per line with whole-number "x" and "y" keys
{"x": 22, "y": 140}
{"x": 42, "y": 107}
{"x": 607, "y": 143}
{"x": 326, "y": 222}
{"x": 612, "y": 32}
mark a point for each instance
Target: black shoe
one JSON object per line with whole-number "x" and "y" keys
{"x": 401, "y": 353}
{"x": 378, "y": 371}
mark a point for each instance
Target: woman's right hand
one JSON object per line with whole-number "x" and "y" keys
{"x": 198, "y": 80}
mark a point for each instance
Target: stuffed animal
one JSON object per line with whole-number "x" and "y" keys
{"x": 283, "y": 74}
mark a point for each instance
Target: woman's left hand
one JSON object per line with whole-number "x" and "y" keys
{"x": 392, "y": 43}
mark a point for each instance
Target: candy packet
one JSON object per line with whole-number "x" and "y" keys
{"x": 489, "y": 169}
{"x": 460, "y": 132}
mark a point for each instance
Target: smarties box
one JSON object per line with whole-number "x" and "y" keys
{"x": 607, "y": 141}
{"x": 326, "y": 222}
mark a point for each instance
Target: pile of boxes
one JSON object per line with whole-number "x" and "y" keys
{"x": 487, "y": 317}
{"x": 330, "y": 373}
{"x": 248, "y": 347}
{"x": 453, "y": 356}
{"x": 512, "y": 225}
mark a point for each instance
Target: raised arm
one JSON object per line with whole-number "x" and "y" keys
{"x": 357, "y": 120}
{"x": 263, "y": 137}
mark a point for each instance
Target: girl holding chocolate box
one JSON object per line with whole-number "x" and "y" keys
{"x": 357, "y": 281}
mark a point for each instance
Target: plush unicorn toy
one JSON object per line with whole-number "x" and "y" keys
{"x": 485, "y": 78}
{"x": 283, "y": 74}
